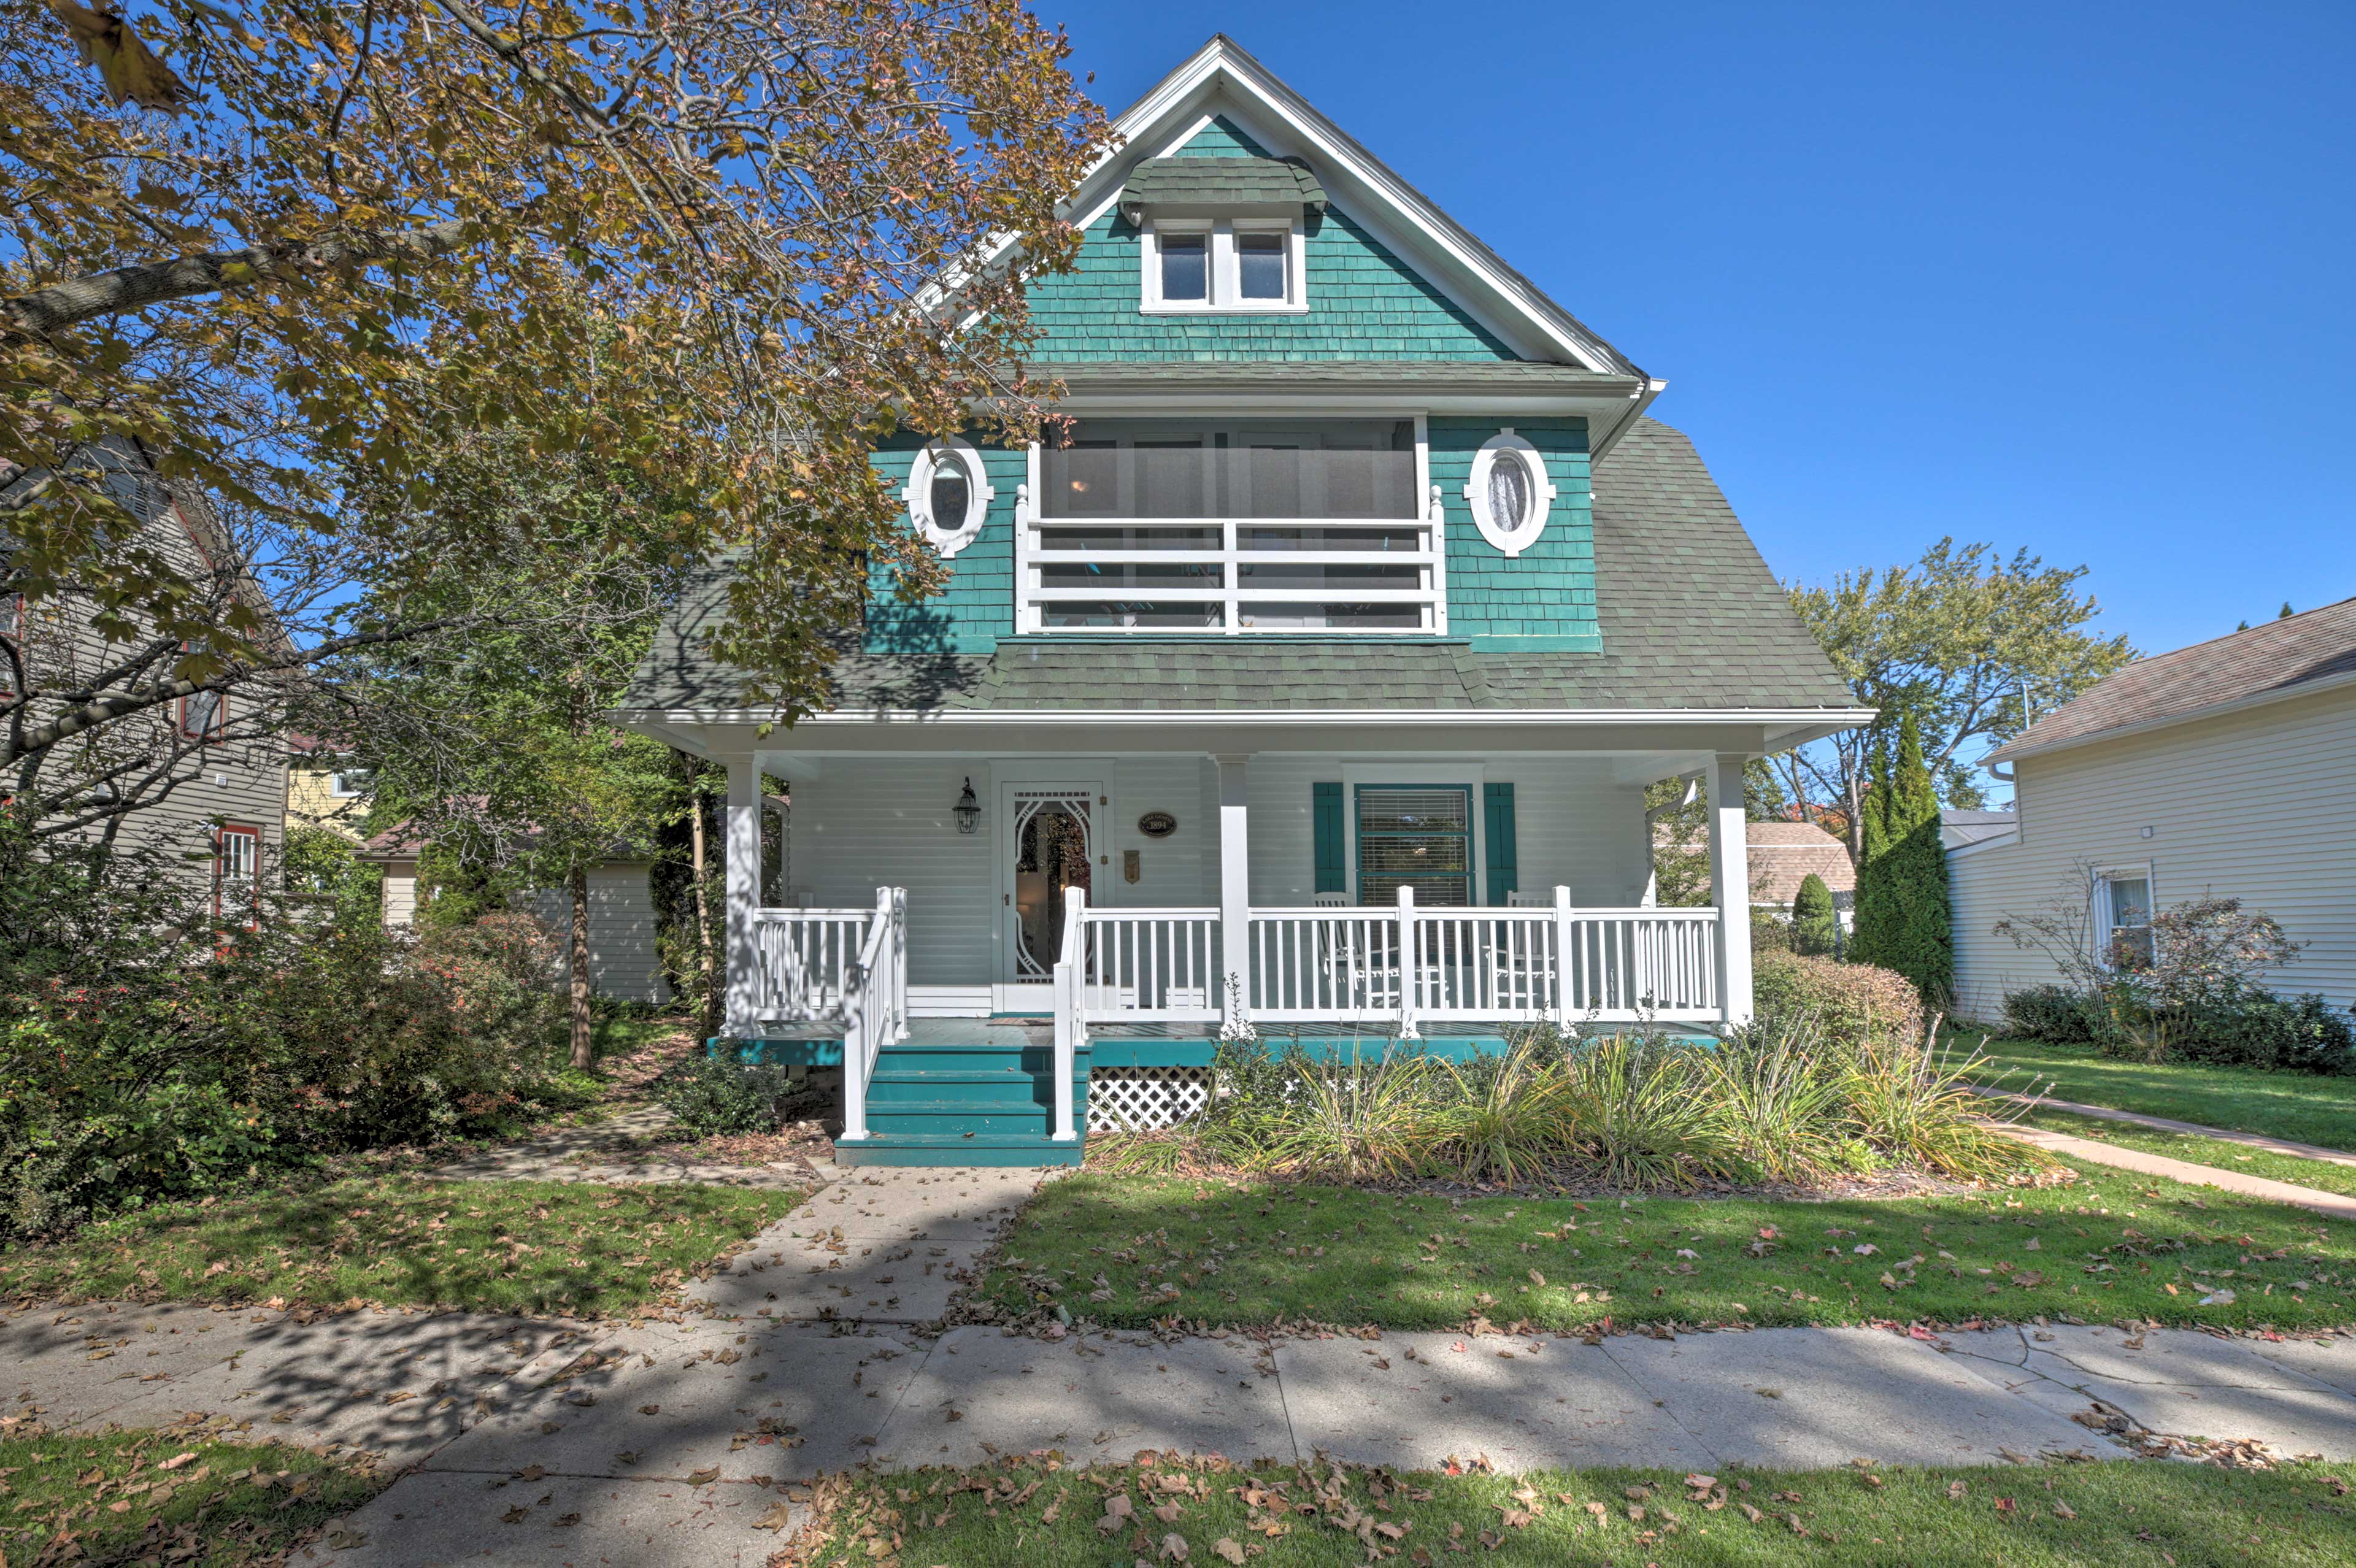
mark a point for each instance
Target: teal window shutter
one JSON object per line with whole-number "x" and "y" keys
{"x": 1333, "y": 850}
{"x": 1497, "y": 827}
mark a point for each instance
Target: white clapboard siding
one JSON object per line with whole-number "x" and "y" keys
{"x": 400, "y": 893}
{"x": 623, "y": 961}
{"x": 2254, "y": 804}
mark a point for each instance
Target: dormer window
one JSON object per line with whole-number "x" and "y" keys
{"x": 1223, "y": 234}
{"x": 1223, "y": 265}
{"x": 1260, "y": 266}
{"x": 1509, "y": 492}
{"x": 949, "y": 495}
{"x": 1185, "y": 268}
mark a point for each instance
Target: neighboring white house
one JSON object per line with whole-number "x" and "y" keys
{"x": 2228, "y": 768}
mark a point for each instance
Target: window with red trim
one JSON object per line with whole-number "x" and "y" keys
{"x": 237, "y": 869}
{"x": 203, "y": 714}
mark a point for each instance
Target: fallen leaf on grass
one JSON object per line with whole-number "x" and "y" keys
{"x": 1227, "y": 1550}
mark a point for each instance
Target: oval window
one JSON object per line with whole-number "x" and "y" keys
{"x": 950, "y": 494}
{"x": 1509, "y": 492}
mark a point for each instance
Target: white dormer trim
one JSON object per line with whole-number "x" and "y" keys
{"x": 1512, "y": 542}
{"x": 948, "y": 536}
{"x": 1225, "y": 271}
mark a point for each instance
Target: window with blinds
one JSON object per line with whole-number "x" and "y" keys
{"x": 1417, "y": 835}
{"x": 1302, "y": 525}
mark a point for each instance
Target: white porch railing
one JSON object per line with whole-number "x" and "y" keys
{"x": 845, "y": 965}
{"x": 1400, "y": 968}
{"x": 1150, "y": 964}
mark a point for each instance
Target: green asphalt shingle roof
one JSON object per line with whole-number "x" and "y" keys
{"x": 1691, "y": 619}
{"x": 1222, "y": 182}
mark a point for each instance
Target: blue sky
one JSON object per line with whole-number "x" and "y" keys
{"x": 2078, "y": 277}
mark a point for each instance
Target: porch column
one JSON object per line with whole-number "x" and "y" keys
{"x": 741, "y": 848}
{"x": 1729, "y": 880}
{"x": 1234, "y": 892}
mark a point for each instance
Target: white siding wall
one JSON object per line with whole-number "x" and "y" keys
{"x": 400, "y": 893}
{"x": 866, "y": 822}
{"x": 621, "y": 957}
{"x": 862, "y": 822}
{"x": 2255, "y": 806}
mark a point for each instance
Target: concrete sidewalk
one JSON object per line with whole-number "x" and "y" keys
{"x": 664, "y": 1442}
{"x": 2338, "y": 1206}
{"x": 677, "y": 1442}
{"x": 2169, "y": 1124}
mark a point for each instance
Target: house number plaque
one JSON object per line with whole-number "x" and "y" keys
{"x": 1157, "y": 825}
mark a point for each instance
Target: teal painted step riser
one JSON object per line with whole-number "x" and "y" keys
{"x": 970, "y": 1059}
{"x": 983, "y": 1096}
{"x": 1035, "y": 1153}
{"x": 958, "y": 1123}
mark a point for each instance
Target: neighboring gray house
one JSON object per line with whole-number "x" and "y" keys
{"x": 205, "y": 776}
{"x": 2225, "y": 768}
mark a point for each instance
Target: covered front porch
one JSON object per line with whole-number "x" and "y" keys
{"x": 1012, "y": 950}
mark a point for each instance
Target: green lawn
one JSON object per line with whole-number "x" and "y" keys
{"x": 2224, "y": 1155}
{"x": 154, "y": 1497}
{"x": 1127, "y": 1251}
{"x": 493, "y": 1247}
{"x": 2297, "y": 1105}
{"x": 2150, "y": 1514}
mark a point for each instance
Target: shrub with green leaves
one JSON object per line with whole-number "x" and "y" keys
{"x": 713, "y": 1095}
{"x": 148, "y": 1053}
{"x": 1815, "y": 922}
{"x": 1851, "y": 1003}
{"x": 2059, "y": 1015}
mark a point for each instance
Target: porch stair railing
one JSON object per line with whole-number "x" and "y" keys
{"x": 839, "y": 965}
{"x": 1399, "y": 967}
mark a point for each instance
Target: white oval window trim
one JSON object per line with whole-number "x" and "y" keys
{"x": 947, "y": 535}
{"x": 1512, "y": 540}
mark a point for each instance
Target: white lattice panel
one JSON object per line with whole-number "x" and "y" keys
{"x": 1140, "y": 1099}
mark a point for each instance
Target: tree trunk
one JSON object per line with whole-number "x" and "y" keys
{"x": 703, "y": 952}
{"x": 584, "y": 1055}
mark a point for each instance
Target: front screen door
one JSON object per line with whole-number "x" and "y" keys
{"x": 1052, "y": 840}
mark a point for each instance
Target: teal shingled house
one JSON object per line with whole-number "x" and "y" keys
{"x": 1310, "y": 689}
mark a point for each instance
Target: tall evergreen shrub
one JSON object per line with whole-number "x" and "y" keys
{"x": 1814, "y": 929}
{"x": 1903, "y": 883}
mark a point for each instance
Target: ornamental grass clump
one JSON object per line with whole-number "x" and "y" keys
{"x": 1786, "y": 1102}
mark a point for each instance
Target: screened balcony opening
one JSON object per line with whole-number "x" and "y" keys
{"x": 1233, "y": 525}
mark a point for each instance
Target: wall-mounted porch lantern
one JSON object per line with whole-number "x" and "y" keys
{"x": 968, "y": 811}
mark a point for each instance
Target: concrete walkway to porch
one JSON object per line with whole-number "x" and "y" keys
{"x": 660, "y": 1442}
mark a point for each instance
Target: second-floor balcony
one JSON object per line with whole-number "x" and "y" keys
{"x": 1306, "y": 526}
